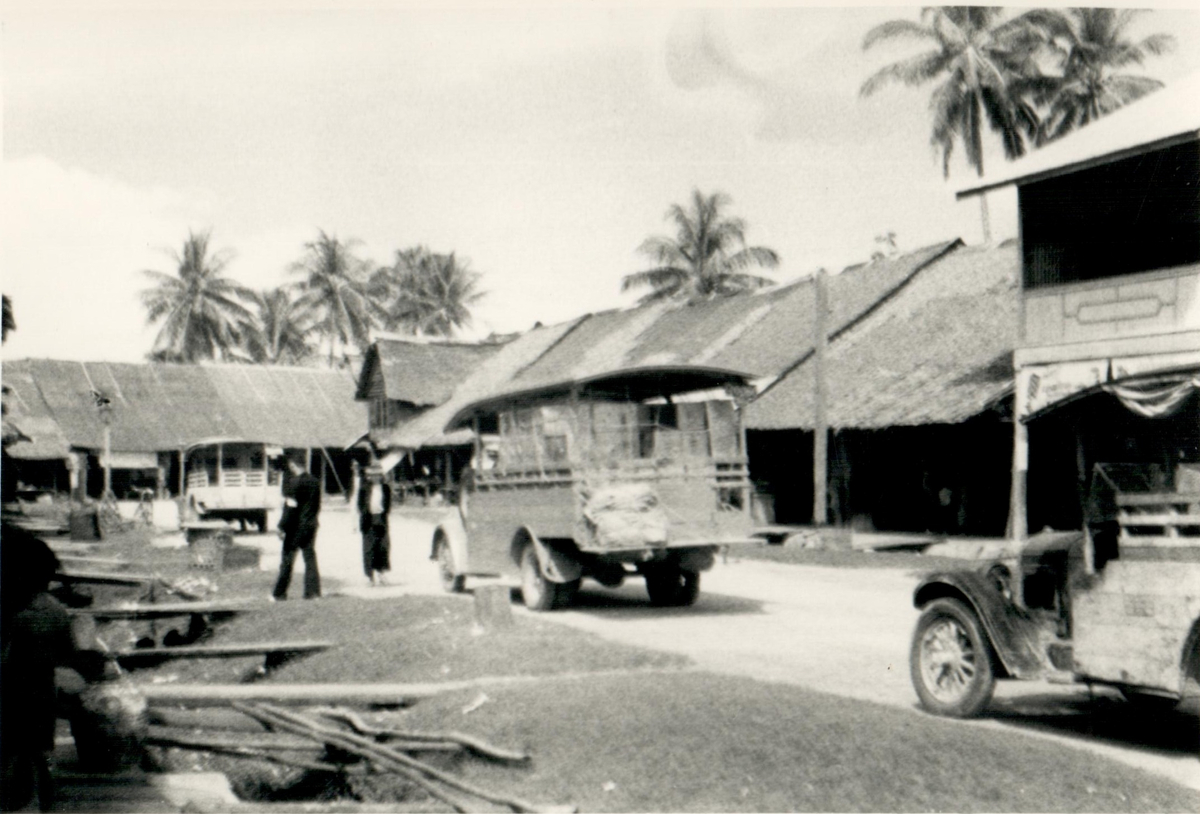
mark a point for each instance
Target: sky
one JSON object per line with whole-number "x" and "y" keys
{"x": 542, "y": 143}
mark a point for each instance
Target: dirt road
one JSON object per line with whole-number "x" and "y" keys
{"x": 842, "y": 631}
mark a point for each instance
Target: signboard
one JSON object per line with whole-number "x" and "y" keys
{"x": 1039, "y": 386}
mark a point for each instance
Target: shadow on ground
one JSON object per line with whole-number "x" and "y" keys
{"x": 630, "y": 603}
{"x": 1106, "y": 719}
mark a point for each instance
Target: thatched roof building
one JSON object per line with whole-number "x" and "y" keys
{"x": 165, "y": 407}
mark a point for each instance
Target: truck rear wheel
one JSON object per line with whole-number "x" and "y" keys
{"x": 539, "y": 593}
{"x": 671, "y": 586}
{"x": 951, "y": 660}
{"x": 451, "y": 582}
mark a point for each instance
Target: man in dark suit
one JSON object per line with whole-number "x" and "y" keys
{"x": 374, "y": 503}
{"x": 298, "y": 528}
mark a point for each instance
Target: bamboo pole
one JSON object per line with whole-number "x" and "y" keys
{"x": 469, "y": 742}
{"x": 346, "y": 742}
{"x": 410, "y": 767}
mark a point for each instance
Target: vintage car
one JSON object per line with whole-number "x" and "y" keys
{"x": 604, "y": 478}
{"x": 231, "y": 479}
{"x": 1117, "y": 604}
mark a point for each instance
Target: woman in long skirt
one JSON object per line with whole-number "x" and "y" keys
{"x": 374, "y": 502}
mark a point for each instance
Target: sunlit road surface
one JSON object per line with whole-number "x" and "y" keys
{"x": 837, "y": 630}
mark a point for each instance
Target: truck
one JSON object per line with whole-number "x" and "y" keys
{"x": 232, "y": 479}
{"x": 638, "y": 472}
{"x": 1115, "y": 604}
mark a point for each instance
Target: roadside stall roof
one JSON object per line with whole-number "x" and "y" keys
{"x": 160, "y": 407}
{"x": 635, "y": 384}
{"x": 1168, "y": 116}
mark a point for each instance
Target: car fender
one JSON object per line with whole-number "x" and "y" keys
{"x": 1016, "y": 638}
{"x": 453, "y": 531}
{"x": 557, "y": 558}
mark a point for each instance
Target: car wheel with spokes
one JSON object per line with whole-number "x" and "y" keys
{"x": 951, "y": 660}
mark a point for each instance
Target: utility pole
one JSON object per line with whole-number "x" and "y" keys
{"x": 820, "y": 397}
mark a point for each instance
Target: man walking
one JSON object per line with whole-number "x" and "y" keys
{"x": 298, "y": 528}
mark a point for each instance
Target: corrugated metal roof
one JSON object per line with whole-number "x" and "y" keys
{"x": 421, "y": 373}
{"x": 164, "y": 407}
{"x": 1161, "y": 118}
{"x": 939, "y": 351}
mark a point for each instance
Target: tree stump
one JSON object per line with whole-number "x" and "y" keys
{"x": 493, "y": 607}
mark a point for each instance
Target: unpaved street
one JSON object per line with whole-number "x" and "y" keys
{"x": 842, "y": 631}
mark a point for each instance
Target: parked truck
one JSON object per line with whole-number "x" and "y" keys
{"x": 605, "y": 478}
{"x": 1116, "y": 604}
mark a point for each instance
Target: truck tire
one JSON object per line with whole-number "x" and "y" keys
{"x": 539, "y": 593}
{"x": 951, "y": 660}
{"x": 451, "y": 582}
{"x": 671, "y": 586}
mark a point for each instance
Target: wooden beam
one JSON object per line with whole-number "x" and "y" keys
{"x": 156, "y": 655}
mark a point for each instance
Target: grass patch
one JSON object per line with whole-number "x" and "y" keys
{"x": 410, "y": 639}
{"x": 700, "y": 742}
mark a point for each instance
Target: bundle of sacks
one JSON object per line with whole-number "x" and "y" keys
{"x": 625, "y": 515}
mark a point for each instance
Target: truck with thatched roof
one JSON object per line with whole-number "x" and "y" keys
{"x": 640, "y": 471}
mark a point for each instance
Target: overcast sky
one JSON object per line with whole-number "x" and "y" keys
{"x": 542, "y": 143}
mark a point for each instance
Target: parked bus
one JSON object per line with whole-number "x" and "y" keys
{"x": 231, "y": 479}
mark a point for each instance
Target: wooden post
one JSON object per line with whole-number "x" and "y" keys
{"x": 985, "y": 217}
{"x": 220, "y": 465}
{"x": 1018, "y": 521}
{"x": 493, "y": 607}
{"x": 182, "y": 476}
{"x": 107, "y": 458}
{"x": 820, "y": 395}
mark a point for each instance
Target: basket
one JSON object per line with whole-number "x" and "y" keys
{"x": 207, "y": 544}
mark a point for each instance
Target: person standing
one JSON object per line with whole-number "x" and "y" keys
{"x": 38, "y": 645}
{"x": 374, "y": 503}
{"x": 298, "y": 528}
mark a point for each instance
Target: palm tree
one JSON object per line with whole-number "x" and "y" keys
{"x": 985, "y": 66}
{"x": 429, "y": 293}
{"x": 1091, "y": 44}
{"x": 334, "y": 292}
{"x": 280, "y": 335}
{"x": 202, "y": 310}
{"x": 706, "y": 258}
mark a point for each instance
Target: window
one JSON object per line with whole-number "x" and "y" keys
{"x": 1138, "y": 214}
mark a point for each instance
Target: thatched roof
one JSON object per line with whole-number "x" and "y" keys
{"x": 758, "y": 335}
{"x": 420, "y": 373}
{"x": 161, "y": 407}
{"x": 938, "y": 352}
{"x": 430, "y": 428}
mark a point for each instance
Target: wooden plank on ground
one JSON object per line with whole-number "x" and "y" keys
{"x": 157, "y": 655}
{"x": 221, "y": 695}
{"x": 101, "y": 578}
{"x": 165, "y": 610}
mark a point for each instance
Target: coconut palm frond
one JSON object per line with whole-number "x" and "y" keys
{"x": 706, "y": 252}
{"x": 912, "y": 71}
{"x": 895, "y": 29}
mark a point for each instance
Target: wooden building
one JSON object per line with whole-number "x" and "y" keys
{"x": 1108, "y": 355}
{"x": 152, "y": 412}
